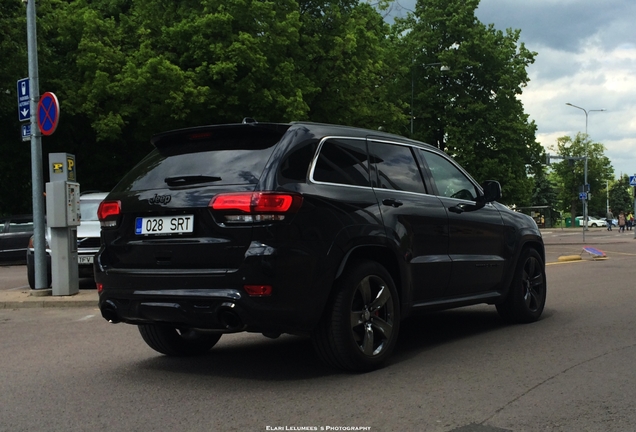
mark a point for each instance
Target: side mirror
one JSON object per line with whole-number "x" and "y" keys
{"x": 492, "y": 191}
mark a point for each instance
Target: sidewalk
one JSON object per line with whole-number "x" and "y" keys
{"x": 15, "y": 292}
{"x": 28, "y": 298}
{"x": 574, "y": 236}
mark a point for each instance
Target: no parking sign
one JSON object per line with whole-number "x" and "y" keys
{"x": 48, "y": 113}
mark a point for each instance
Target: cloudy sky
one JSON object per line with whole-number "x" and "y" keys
{"x": 587, "y": 57}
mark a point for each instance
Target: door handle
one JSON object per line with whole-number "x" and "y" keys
{"x": 392, "y": 202}
{"x": 459, "y": 208}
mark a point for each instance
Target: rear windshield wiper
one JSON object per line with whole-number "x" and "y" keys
{"x": 180, "y": 180}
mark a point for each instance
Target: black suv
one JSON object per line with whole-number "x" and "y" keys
{"x": 305, "y": 228}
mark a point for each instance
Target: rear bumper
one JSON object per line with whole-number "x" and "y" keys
{"x": 216, "y": 300}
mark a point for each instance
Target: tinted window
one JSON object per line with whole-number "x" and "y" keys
{"x": 395, "y": 167}
{"x": 450, "y": 181}
{"x": 20, "y": 226}
{"x": 295, "y": 166}
{"x": 343, "y": 161}
{"x": 226, "y": 159}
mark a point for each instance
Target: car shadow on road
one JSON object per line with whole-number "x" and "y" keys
{"x": 425, "y": 332}
{"x": 291, "y": 358}
{"x": 287, "y": 358}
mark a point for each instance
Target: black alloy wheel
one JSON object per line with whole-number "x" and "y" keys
{"x": 527, "y": 295}
{"x": 360, "y": 329}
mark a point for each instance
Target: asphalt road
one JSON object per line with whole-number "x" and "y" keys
{"x": 465, "y": 370}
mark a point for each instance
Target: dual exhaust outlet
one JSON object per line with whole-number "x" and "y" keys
{"x": 226, "y": 315}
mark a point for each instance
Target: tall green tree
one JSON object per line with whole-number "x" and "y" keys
{"x": 471, "y": 111}
{"x": 15, "y": 163}
{"x": 348, "y": 61}
{"x": 621, "y": 196}
{"x": 134, "y": 68}
{"x": 571, "y": 173}
{"x": 544, "y": 192}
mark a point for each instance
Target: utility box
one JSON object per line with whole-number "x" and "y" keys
{"x": 62, "y": 204}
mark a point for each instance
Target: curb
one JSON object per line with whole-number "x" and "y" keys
{"x": 24, "y": 299}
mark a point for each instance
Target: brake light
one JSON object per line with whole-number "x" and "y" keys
{"x": 258, "y": 290}
{"x": 256, "y": 206}
{"x": 108, "y": 212}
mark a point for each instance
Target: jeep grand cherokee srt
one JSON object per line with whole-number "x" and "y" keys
{"x": 331, "y": 231}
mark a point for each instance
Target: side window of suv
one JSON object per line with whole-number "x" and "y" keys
{"x": 395, "y": 167}
{"x": 343, "y": 161}
{"x": 450, "y": 181}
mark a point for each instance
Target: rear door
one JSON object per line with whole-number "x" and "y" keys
{"x": 415, "y": 220}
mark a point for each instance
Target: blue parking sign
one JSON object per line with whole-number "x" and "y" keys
{"x": 26, "y": 132}
{"x": 24, "y": 100}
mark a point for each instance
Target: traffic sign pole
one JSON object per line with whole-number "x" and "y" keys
{"x": 37, "y": 183}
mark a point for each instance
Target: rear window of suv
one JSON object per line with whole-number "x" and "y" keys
{"x": 223, "y": 157}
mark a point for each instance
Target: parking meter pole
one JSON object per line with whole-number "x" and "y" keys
{"x": 37, "y": 182}
{"x": 63, "y": 217}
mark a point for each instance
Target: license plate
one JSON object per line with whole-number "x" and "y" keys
{"x": 164, "y": 225}
{"x": 85, "y": 259}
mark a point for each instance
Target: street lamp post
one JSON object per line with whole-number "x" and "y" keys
{"x": 442, "y": 69}
{"x": 585, "y": 187}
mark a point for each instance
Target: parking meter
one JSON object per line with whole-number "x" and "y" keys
{"x": 63, "y": 217}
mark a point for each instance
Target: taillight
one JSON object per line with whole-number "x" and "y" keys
{"x": 256, "y": 206}
{"x": 258, "y": 290}
{"x": 108, "y": 212}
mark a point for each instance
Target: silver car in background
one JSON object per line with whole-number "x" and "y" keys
{"x": 88, "y": 233}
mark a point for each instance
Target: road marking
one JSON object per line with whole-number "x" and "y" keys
{"x": 86, "y": 318}
{"x": 566, "y": 262}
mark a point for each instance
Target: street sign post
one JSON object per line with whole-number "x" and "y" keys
{"x": 48, "y": 113}
{"x": 24, "y": 97}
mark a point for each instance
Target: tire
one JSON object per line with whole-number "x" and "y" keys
{"x": 528, "y": 290}
{"x": 359, "y": 328}
{"x": 177, "y": 342}
{"x": 31, "y": 274}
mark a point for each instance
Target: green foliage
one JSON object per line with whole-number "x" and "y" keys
{"x": 15, "y": 164}
{"x": 472, "y": 111}
{"x": 571, "y": 174}
{"x": 621, "y": 196}
{"x": 126, "y": 69}
{"x": 544, "y": 192}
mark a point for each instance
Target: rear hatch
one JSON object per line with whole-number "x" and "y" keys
{"x": 165, "y": 222}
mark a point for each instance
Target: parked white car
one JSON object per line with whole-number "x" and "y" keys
{"x": 591, "y": 221}
{"x": 88, "y": 239}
